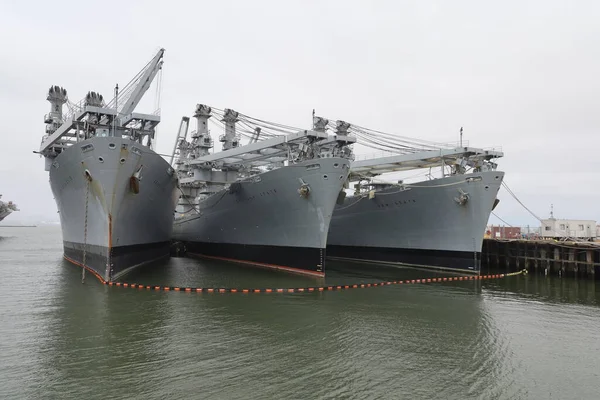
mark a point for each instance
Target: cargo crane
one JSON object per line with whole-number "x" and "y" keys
{"x": 91, "y": 116}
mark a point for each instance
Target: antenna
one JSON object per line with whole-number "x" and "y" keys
{"x": 461, "y": 130}
{"x": 116, "y": 109}
{"x": 551, "y": 210}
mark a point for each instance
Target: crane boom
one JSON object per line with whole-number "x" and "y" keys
{"x": 181, "y": 136}
{"x": 142, "y": 86}
{"x": 62, "y": 129}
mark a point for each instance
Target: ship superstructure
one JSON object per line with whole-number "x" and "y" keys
{"x": 115, "y": 195}
{"x": 6, "y": 208}
{"x": 437, "y": 222}
{"x": 267, "y": 203}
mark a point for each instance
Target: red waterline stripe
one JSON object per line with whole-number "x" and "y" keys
{"x": 86, "y": 267}
{"x": 272, "y": 266}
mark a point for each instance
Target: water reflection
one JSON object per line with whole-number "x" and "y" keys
{"x": 549, "y": 289}
{"x": 454, "y": 340}
{"x": 360, "y": 342}
{"x": 95, "y": 336}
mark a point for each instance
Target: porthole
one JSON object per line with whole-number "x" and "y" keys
{"x": 101, "y": 159}
{"x": 325, "y": 177}
{"x": 112, "y": 146}
{"x": 122, "y": 161}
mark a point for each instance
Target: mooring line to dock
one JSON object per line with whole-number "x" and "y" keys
{"x": 310, "y": 289}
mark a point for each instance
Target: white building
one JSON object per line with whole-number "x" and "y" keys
{"x": 569, "y": 228}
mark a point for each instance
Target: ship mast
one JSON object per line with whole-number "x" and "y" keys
{"x": 230, "y": 139}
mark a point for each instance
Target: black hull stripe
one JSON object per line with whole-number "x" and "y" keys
{"x": 124, "y": 258}
{"x": 433, "y": 259}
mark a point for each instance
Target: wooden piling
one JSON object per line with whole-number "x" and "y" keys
{"x": 581, "y": 259}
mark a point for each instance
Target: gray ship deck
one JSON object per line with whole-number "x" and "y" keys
{"x": 417, "y": 160}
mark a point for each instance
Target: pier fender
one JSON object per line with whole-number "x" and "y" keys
{"x": 463, "y": 197}
{"x": 304, "y": 190}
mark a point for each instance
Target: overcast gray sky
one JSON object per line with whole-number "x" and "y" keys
{"x": 523, "y": 75}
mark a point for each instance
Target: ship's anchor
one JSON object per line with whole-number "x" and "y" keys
{"x": 134, "y": 181}
{"x": 463, "y": 198}
{"x": 304, "y": 190}
{"x": 88, "y": 176}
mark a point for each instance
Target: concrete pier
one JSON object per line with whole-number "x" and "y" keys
{"x": 579, "y": 259}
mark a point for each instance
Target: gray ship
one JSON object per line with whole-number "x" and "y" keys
{"x": 115, "y": 195}
{"x": 6, "y": 209}
{"x": 438, "y": 223}
{"x": 268, "y": 203}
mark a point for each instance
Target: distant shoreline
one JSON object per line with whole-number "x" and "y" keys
{"x": 18, "y": 226}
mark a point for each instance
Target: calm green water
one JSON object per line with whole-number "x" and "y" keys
{"x": 519, "y": 338}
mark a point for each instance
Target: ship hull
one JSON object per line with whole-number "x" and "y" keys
{"x": 4, "y": 214}
{"x": 6, "y": 209}
{"x": 424, "y": 226}
{"x": 126, "y": 223}
{"x": 266, "y": 222}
